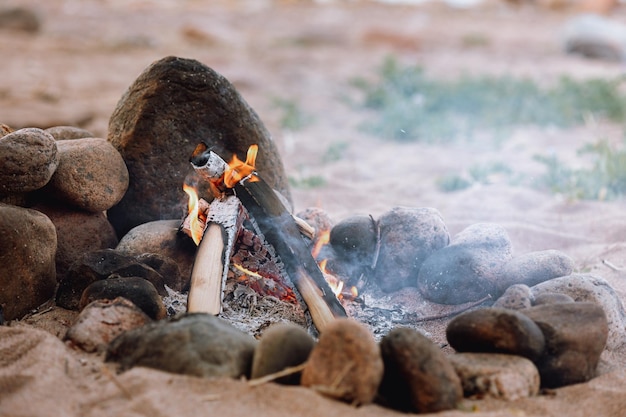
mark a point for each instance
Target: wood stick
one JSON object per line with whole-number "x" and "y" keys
{"x": 281, "y": 231}
{"x": 205, "y": 294}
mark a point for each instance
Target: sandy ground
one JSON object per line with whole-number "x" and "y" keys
{"x": 75, "y": 69}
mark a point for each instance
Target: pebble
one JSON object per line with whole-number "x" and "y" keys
{"x": 409, "y": 236}
{"x": 590, "y": 288}
{"x": 496, "y": 375}
{"x": 135, "y": 289}
{"x": 418, "y": 376}
{"x": 102, "y": 321}
{"x": 281, "y": 346}
{"x": 516, "y": 297}
{"x": 206, "y": 107}
{"x": 68, "y": 132}
{"x": 466, "y": 270}
{"x": 28, "y": 159}
{"x": 91, "y": 174}
{"x": 496, "y": 330}
{"x": 27, "y": 261}
{"x": 194, "y": 344}
{"x": 345, "y": 364}
{"x": 575, "y": 335}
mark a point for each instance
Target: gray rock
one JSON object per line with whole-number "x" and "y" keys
{"x": 161, "y": 237}
{"x": 534, "y": 268}
{"x": 496, "y": 330}
{"x": 589, "y": 288}
{"x": 91, "y": 174}
{"x": 173, "y": 105}
{"x": 345, "y": 364}
{"x": 575, "y": 334}
{"x": 354, "y": 238}
{"x": 99, "y": 265}
{"x": 102, "y": 321}
{"x": 596, "y": 37}
{"x": 515, "y": 297}
{"x": 68, "y": 132}
{"x": 27, "y": 269}
{"x": 135, "y": 289}
{"x": 281, "y": 346}
{"x": 495, "y": 375}
{"x": 466, "y": 270}
{"x": 28, "y": 159}
{"x": 552, "y": 298}
{"x": 408, "y": 237}
{"x": 418, "y": 376}
{"x": 194, "y": 344}
{"x": 78, "y": 232}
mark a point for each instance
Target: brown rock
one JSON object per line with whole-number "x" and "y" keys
{"x": 418, "y": 376}
{"x": 27, "y": 270}
{"x": 102, "y": 321}
{"x": 166, "y": 267}
{"x": 495, "y": 375}
{"x": 91, "y": 174}
{"x": 516, "y": 297}
{"x": 20, "y": 19}
{"x": 68, "y": 132}
{"x": 78, "y": 232}
{"x": 135, "y": 289}
{"x": 28, "y": 159}
{"x": 281, "y": 346}
{"x": 345, "y": 364}
{"x": 171, "y": 107}
{"x": 161, "y": 237}
{"x": 576, "y": 335}
{"x": 408, "y": 237}
{"x": 496, "y": 330}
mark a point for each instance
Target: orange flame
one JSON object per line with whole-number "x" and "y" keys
{"x": 238, "y": 170}
{"x": 322, "y": 240}
{"x": 195, "y": 225}
{"x": 335, "y": 284}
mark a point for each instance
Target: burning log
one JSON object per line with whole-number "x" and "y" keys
{"x": 271, "y": 219}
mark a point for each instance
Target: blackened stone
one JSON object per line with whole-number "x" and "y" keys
{"x": 135, "y": 289}
{"x": 194, "y": 344}
{"x": 466, "y": 270}
{"x": 589, "y": 288}
{"x": 102, "y": 321}
{"x": 575, "y": 334}
{"x": 173, "y": 105}
{"x": 27, "y": 272}
{"x": 533, "y": 268}
{"x": 28, "y": 159}
{"x": 496, "y": 375}
{"x": 496, "y": 330}
{"x": 418, "y": 376}
{"x": 354, "y": 238}
{"x": 68, "y": 132}
{"x": 281, "y": 346}
{"x": 162, "y": 237}
{"x": 346, "y": 363}
{"x": 78, "y": 232}
{"x": 91, "y": 174}
{"x": 166, "y": 267}
{"x": 552, "y": 298}
{"x": 99, "y": 265}
{"x": 516, "y": 297}
{"x": 408, "y": 237}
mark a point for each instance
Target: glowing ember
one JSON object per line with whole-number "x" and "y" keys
{"x": 196, "y": 224}
{"x": 238, "y": 170}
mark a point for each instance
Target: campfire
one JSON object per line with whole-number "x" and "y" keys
{"x": 247, "y": 236}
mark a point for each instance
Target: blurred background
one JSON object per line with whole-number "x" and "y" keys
{"x": 488, "y": 110}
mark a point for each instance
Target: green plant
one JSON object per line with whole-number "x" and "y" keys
{"x": 407, "y": 105}
{"x": 313, "y": 181}
{"x": 335, "y": 152}
{"x": 606, "y": 179}
{"x": 477, "y": 174}
{"x": 293, "y": 118}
